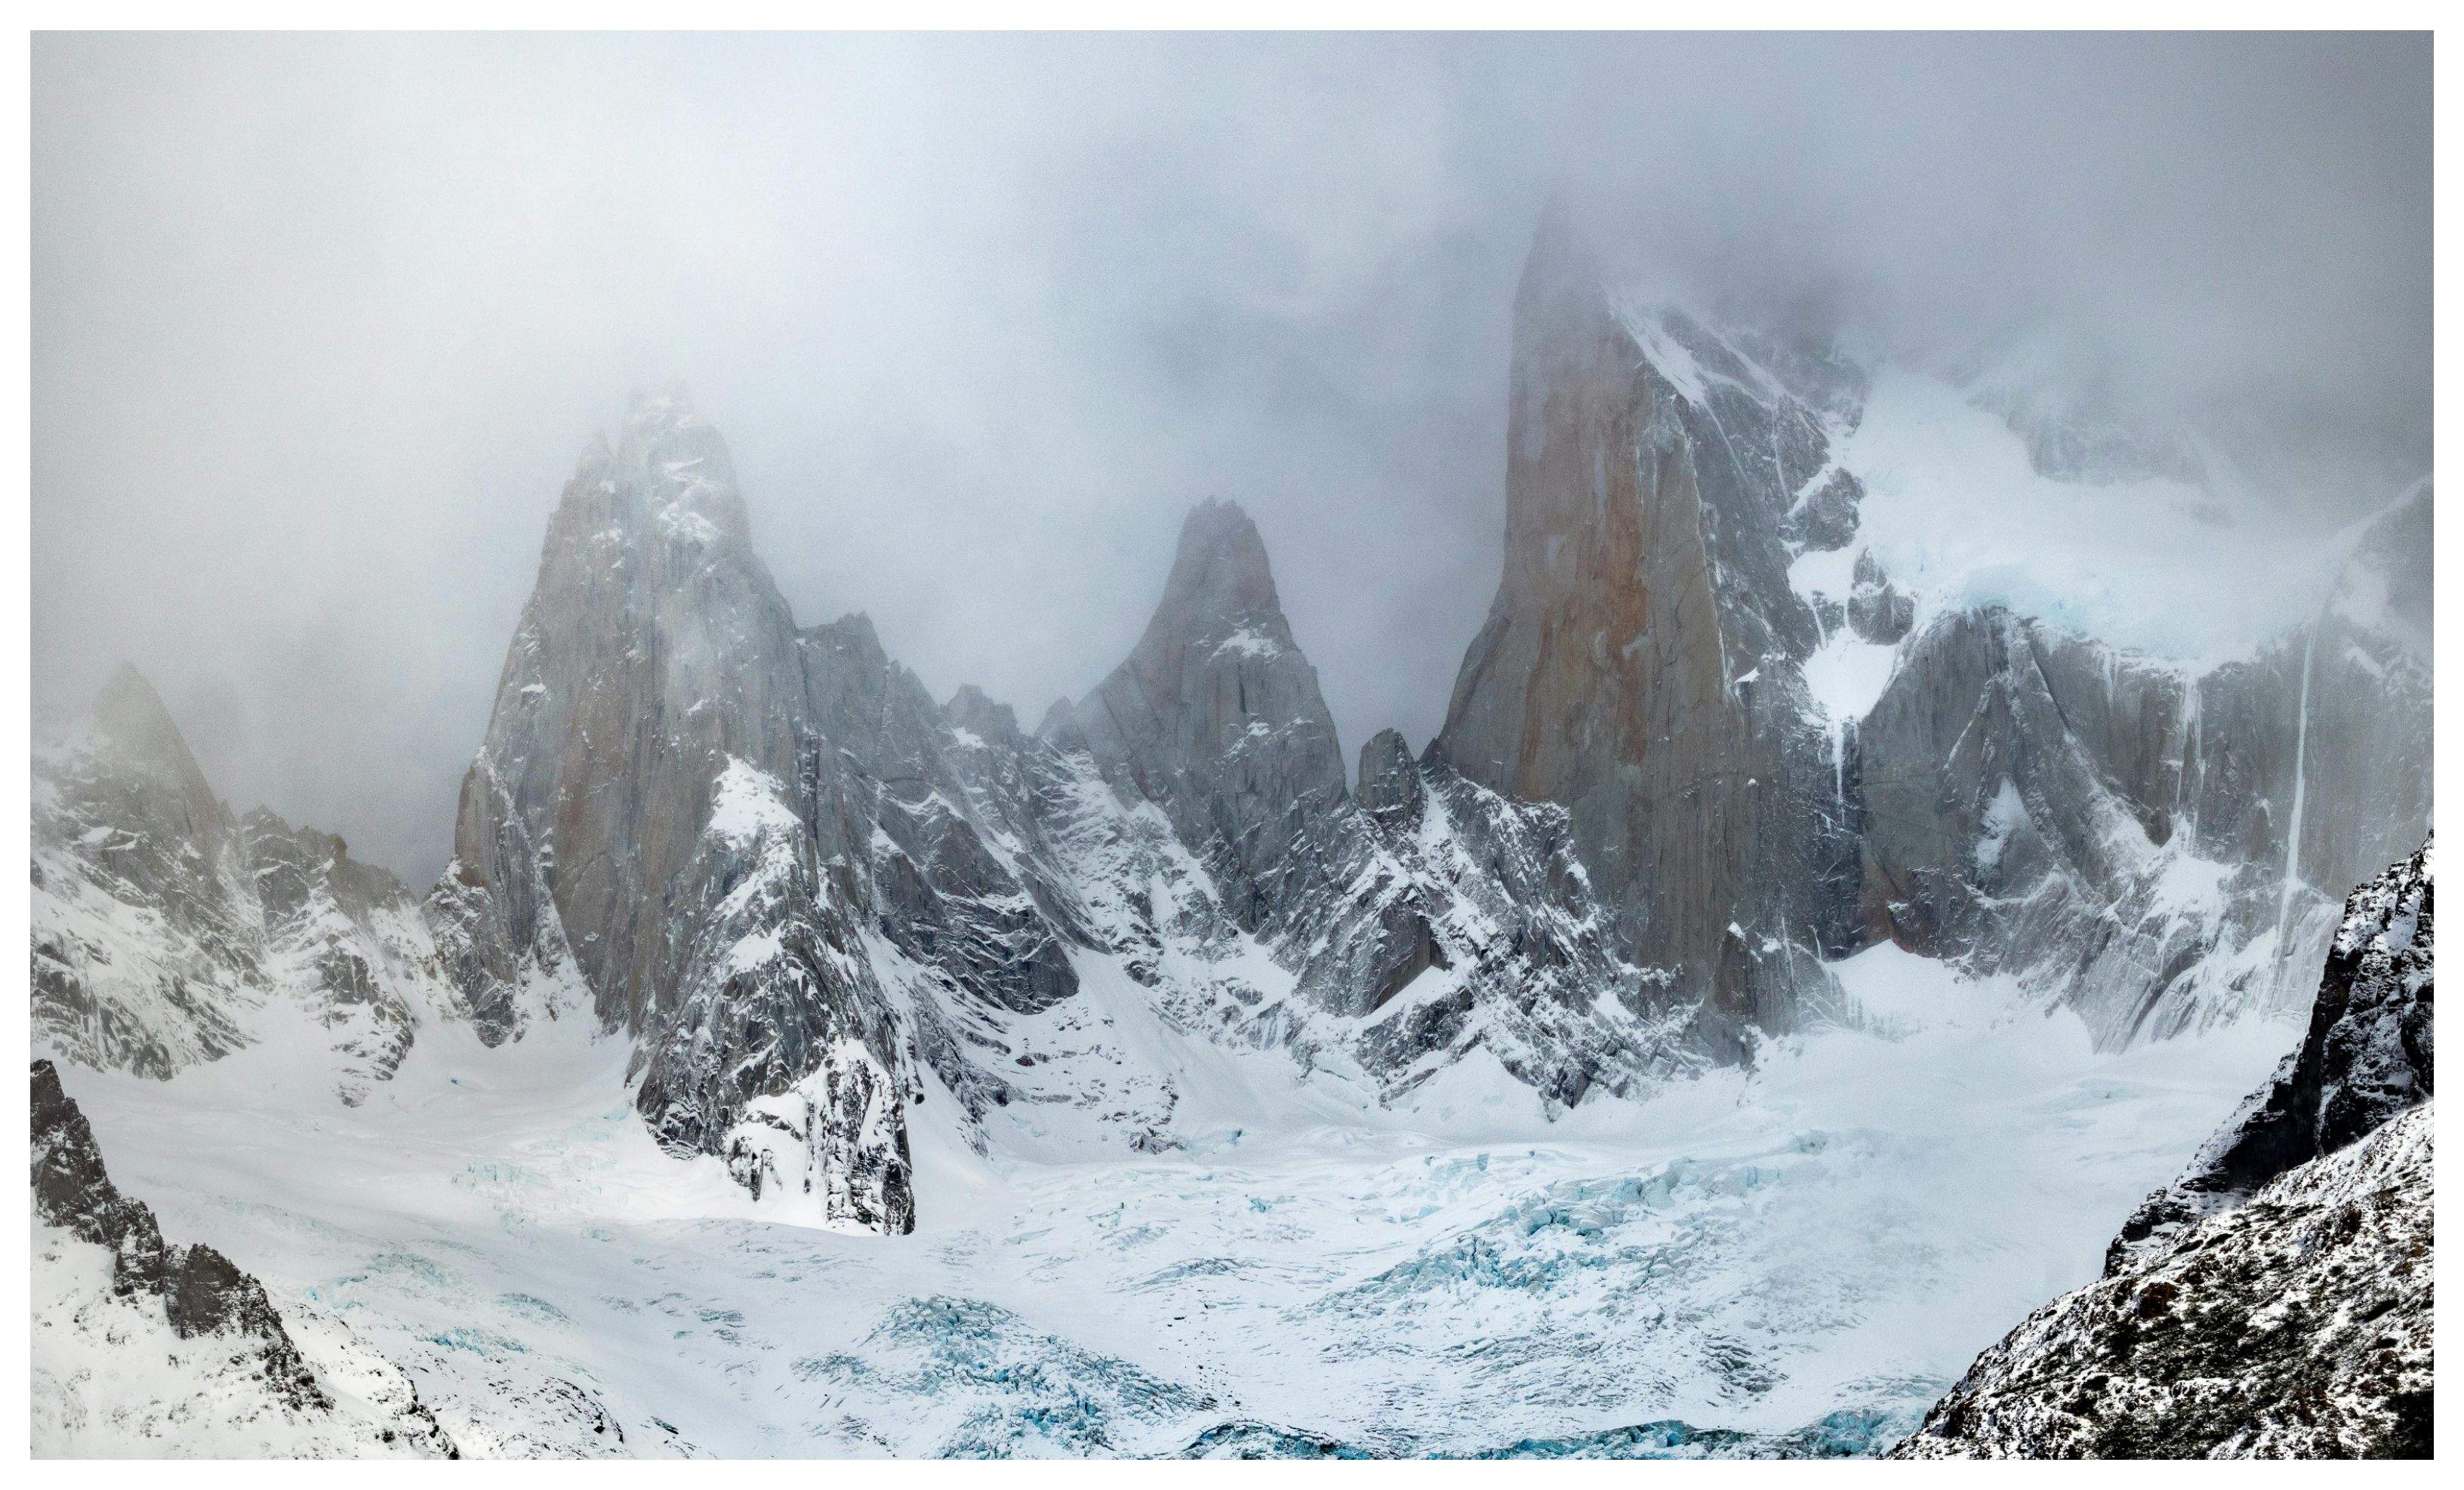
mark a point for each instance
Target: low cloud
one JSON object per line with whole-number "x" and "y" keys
{"x": 321, "y": 323}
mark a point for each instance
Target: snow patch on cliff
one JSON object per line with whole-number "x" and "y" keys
{"x": 745, "y": 801}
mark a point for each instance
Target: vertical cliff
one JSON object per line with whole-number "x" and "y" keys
{"x": 1641, "y": 665}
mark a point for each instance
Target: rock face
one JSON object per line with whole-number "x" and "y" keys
{"x": 2277, "y": 1300}
{"x": 2368, "y": 1057}
{"x": 1421, "y": 920}
{"x": 1642, "y": 663}
{"x": 653, "y": 650}
{"x": 235, "y": 1380}
{"x": 351, "y": 941}
{"x": 165, "y": 932}
{"x": 649, "y": 823}
{"x": 2139, "y": 840}
{"x": 1771, "y": 753}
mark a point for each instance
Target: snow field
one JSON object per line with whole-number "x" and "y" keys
{"x": 1826, "y": 1240}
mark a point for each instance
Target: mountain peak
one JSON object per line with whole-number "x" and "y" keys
{"x": 130, "y": 715}
{"x": 1216, "y": 515}
{"x": 665, "y": 406}
{"x": 1563, "y": 284}
{"x": 971, "y": 709}
{"x": 1217, "y": 705}
{"x": 1390, "y": 783}
{"x": 128, "y": 699}
{"x": 1220, "y": 575}
{"x": 851, "y": 637}
{"x": 663, "y": 476}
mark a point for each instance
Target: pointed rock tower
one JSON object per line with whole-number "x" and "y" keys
{"x": 1216, "y": 717}
{"x": 1642, "y": 663}
{"x": 653, "y": 825}
{"x": 1420, "y": 921}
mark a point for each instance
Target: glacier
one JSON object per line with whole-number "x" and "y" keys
{"x": 1795, "y": 1259}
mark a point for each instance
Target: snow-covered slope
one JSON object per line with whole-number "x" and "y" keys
{"x": 144, "y": 1348}
{"x": 1794, "y": 1261}
{"x": 166, "y": 933}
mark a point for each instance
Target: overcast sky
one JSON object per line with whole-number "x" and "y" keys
{"x": 320, "y": 325}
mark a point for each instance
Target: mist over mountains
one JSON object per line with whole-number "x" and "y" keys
{"x": 1717, "y": 734}
{"x": 337, "y": 442}
{"x": 1581, "y": 748}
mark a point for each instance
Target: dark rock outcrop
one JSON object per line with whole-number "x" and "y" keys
{"x": 201, "y": 1294}
{"x": 2298, "y": 1325}
{"x": 2368, "y": 1057}
{"x": 2277, "y": 1300}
